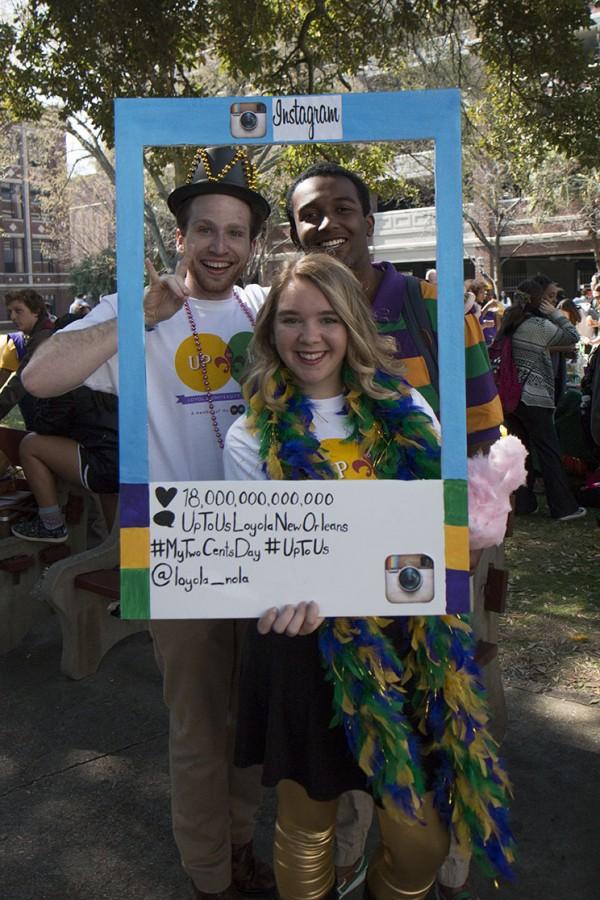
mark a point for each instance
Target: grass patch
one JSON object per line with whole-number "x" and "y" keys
{"x": 550, "y": 633}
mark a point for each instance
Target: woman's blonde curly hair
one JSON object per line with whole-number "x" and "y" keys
{"x": 367, "y": 351}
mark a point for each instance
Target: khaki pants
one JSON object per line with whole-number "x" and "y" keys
{"x": 213, "y": 803}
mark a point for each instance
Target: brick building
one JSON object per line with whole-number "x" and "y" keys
{"x": 30, "y": 256}
{"x": 557, "y": 246}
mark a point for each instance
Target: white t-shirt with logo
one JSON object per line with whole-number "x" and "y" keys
{"x": 331, "y": 428}
{"x": 182, "y": 444}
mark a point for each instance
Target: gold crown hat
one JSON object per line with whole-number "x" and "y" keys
{"x": 221, "y": 170}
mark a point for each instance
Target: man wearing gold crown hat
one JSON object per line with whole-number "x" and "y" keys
{"x": 198, "y": 325}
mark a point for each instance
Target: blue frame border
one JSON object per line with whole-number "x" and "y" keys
{"x": 411, "y": 115}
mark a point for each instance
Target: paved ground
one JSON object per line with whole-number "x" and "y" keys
{"x": 84, "y": 785}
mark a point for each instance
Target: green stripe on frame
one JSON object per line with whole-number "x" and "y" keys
{"x": 135, "y": 593}
{"x": 456, "y": 502}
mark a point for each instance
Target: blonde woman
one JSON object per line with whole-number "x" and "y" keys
{"x": 326, "y": 400}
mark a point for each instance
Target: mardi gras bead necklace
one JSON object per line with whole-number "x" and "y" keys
{"x": 202, "y": 359}
{"x": 240, "y": 156}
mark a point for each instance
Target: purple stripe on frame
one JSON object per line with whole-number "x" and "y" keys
{"x": 457, "y": 592}
{"x": 135, "y": 506}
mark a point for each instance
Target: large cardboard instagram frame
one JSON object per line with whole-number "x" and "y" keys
{"x": 346, "y": 118}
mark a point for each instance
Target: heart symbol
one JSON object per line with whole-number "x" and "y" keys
{"x": 165, "y": 496}
{"x": 165, "y": 518}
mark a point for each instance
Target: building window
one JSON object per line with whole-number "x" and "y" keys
{"x": 12, "y": 200}
{"x": 42, "y": 256}
{"x": 35, "y": 205}
{"x": 13, "y": 255}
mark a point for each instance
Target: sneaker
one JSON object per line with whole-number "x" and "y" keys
{"x": 579, "y": 513}
{"x": 352, "y": 879}
{"x": 35, "y": 530}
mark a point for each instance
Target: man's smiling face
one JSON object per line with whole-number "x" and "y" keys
{"x": 329, "y": 217}
{"x": 216, "y": 244}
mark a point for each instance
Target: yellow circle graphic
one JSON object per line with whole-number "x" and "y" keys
{"x": 217, "y": 357}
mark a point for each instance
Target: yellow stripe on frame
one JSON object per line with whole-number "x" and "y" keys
{"x": 457, "y": 547}
{"x": 135, "y": 548}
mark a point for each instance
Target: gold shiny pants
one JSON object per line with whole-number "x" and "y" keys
{"x": 402, "y": 868}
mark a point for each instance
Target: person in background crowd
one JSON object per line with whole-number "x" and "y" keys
{"x": 431, "y": 276}
{"x": 477, "y": 288}
{"x": 558, "y": 356}
{"x": 569, "y": 307}
{"x": 582, "y": 294}
{"x": 74, "y": 437}
{"x": 587, "y": 326}
{"x": 80, "y": 307}
{"x": 12, "y": 350}
{"x": 590, "y": 403}
{"x": 535, "y": 326}
{"x": 593, "y": 315}
{"x": 549, "y": 288}
{"x": 491, "y": 310}
{"x": 27, "y": 311}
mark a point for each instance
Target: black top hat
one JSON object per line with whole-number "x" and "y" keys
{"x": 221, "y": 170}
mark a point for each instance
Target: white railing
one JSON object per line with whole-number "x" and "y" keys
{"x": 408, "y": 235}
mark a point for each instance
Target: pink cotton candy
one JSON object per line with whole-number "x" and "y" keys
{"x": 492, "y": 479}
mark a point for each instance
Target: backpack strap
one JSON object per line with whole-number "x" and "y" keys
{"x": 418, "y": 324}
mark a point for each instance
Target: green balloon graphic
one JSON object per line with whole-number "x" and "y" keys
{"x": 239, "y": 348}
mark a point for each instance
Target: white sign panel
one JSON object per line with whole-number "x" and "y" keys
{"x": 234, "y": 549}
{"x": 316, "y": 118}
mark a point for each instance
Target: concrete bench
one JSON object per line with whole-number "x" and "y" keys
{"x": 83, "y": 590}
{"x": 38, "y": 578}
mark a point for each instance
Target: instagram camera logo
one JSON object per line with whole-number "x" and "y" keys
{"x": 248, "y": 120}
{"x": 409, "y": 578}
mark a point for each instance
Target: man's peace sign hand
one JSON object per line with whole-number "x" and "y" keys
{"x": 165, "y": 294}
